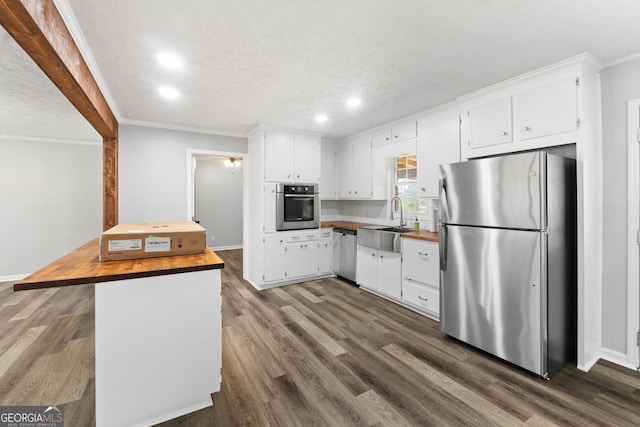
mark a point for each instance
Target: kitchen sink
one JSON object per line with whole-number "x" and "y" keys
{"x": 384, "y": 239}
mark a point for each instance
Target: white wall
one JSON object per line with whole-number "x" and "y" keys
{"x": 620, "y": 83}
{"x": 50, "y": 202}
{"x": 219, "y": 202}
{"x": 152, "y": 171}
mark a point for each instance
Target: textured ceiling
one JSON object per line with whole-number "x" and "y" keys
{"x": 281, "y": 62}
{"x": 30, "y": 105}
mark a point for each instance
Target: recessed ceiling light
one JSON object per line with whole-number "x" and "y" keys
{"x": 354, "y": 102}
{"x": 168, "y": 92}
{"x": 170, "y": 61}
{"x": 321, "y": 118}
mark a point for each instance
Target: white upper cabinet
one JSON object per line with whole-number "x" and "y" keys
{"x": 396, "y": 133}
{"x": 490, "y": 123}
{"x": 292, "y": 157}
{"x": 361, "y": 169}
{"x": 328, "y": 175}
{"x": 307, "y": 153}
{"x": 548, "y": 109}
{"x": 279, "y": 156}
{"x": 354, "y": 173}
{"x": 381, "y": 137}
{"x": 438, "y": 144}
{"x": 405, "y": 130}
{"x": 538, "y": 110}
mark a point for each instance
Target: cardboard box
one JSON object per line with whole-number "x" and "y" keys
{"x": 152, "y": 239}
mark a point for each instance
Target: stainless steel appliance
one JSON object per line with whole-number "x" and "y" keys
{"x": 344, "y": 253}
{"x": 508, "y": 257}
{"x": 297, "y": 206}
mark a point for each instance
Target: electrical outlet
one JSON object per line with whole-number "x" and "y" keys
{"x": 213, "y": 238}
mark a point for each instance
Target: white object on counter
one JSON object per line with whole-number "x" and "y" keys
{"x": 433, "y": 226}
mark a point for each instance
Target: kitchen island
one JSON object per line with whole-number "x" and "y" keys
{"x": 158, "y": 331}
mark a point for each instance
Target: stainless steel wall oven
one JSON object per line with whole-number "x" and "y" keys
{"x": 297, "y": 206}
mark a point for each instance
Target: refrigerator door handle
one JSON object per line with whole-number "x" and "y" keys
{"x": 444, "y": 202}
{"x": 443, "y": 247}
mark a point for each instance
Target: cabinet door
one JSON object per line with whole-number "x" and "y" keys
{"x": 438, "y": 143}
{"x": 367, "y": 267}
{"x": 380, "y": 138}
{"x": 279, "y": 157}
{"x": 345, "y": 171}
{"x": 295, "y": 260}
{"x": 307, "y": 159}
{"x": 548, "y": 109}
{"x": 404, "y": 131}
{"x": 490, "y": 123}
{"x": 269, "y": 207}
{"x": 311, "y": 258}
{"x": 274, "y": 258}
{"x": 325, "y": 248}
{"x": 420, "y": 261}
{"x": 390, "y": 274}
{"x": 328, "y": 188}
{"x": 361, "y": 169}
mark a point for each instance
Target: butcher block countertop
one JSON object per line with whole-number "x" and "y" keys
{"x": 348, "y": 225}
{"x": 81, "y": 267}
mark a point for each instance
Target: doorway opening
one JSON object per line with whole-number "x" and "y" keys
{"x": 215, "y": 196}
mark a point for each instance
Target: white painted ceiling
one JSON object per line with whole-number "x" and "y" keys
{"x": 281, "y": 62}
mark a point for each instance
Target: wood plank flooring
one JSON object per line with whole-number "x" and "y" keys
{"x": 321, "y": 353}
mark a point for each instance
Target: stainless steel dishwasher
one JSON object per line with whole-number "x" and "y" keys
{"x": 344, "y": 254}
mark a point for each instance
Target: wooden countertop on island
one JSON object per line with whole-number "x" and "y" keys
{"x": 82, "y": 266}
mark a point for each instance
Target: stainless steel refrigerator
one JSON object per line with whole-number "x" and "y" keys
{"x": 508, "y": 257}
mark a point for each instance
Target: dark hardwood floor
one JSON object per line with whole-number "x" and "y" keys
{"x": 321, "y": 353}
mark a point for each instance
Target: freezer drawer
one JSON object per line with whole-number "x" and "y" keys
{"x": 493, "y": 292}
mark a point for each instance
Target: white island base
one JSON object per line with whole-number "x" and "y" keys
{"x": 158, "y": 347}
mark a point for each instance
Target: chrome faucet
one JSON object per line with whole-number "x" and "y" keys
{"x": 402, "y": 223}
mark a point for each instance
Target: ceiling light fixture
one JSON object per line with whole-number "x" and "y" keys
{"x": 354, "y": 102}
{"x": 321, "y": 118}
{"x": 168, "y": 92}
{"x": 170, "y": 61}
{"x": 233, "y": 162}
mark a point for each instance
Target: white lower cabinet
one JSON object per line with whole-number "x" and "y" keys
{"x": 325, "y": 254}
{"x": 275, "y": 257}
{"x": 289, "y": 255}
{"x": 380, "y": 271}
{"x": 421, "y": 276}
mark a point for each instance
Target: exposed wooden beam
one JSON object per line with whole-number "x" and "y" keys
{"x": 38, "y": 28}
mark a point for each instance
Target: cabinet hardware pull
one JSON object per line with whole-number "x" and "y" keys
{"x": 423, "y": 299}
{"x": 526, "y": 128}
{"x": 503, "y": 133}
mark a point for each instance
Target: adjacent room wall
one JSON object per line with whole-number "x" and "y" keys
{"x": 219, "y": 202}
{"x": 153, "y": 170}
{"x": 620, "y": 83}
{"x": 51, "y": 202}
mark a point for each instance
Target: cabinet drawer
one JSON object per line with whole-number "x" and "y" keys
{"x": 420, "y": 261}
{"x": 303, "y": 236}
{"x": 425, "y": 297}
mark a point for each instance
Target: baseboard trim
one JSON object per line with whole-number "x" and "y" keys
{"x": 225, "y": 248}
{"x": 13, "y": 278}
{"x": 616, "y": 357}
